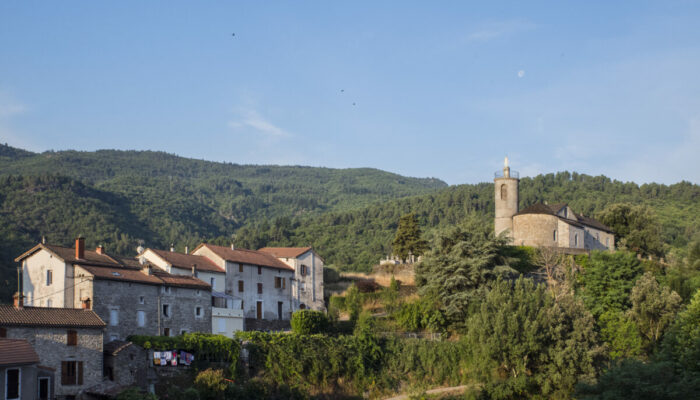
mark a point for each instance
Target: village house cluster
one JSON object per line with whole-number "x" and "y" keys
{"x": 76, "y": 307}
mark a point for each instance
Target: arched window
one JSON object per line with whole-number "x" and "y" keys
{"x": 576, "y": 240}
{"x": 504, "y": 192}
{"x": 554, "y": 235}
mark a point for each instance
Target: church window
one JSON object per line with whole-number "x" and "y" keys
{"x": 504, "y": 192}
{"x": 576, "y": 240}
{"x": 554, "y": 235}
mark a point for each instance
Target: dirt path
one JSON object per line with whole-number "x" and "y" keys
{"x": 452, "y": 389}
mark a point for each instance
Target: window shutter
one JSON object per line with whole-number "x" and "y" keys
{"x": 80, "y": 372}
{"x": 284, "y": 283}
{"x": 64, "y": 372}
{"x": 72, "y": 338}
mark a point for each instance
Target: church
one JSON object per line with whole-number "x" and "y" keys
{"x": 545, "y": 225}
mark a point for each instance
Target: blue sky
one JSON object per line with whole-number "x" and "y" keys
{"x": 440, "y": 89}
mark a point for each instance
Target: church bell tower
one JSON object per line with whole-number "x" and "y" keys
{"x": 506, "y": 198}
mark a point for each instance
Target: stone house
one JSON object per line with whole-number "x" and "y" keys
{"x": 544, "y": 225}
{"x": 259, "y": 283}
{"x": 132, "y": 297}
{"x": 67, "y": 341}
{"x": 21, "y": 377}
{"x": 307, "y": 286}
{"x": 127, "y": 364}
{"x": 225, "y": 318}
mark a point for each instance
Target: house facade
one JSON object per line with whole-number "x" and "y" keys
{"x": 131, "y": 296}
{"x": 545, "y": 225}
{"x": 259, "y": 283}
{"x": 20, "y": 375}
{"x": 307, "y": 286}
{"x": 68, "y": 342}
{"x": 225, "y": 318}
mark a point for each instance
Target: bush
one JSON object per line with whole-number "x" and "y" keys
{"x": 135, "y": 394}
{"x": 211, "y": 384}
{"x": 309, "y": 322}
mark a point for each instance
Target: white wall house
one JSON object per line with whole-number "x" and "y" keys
{"x": 307, "y": 289}
{"x": 226, "y": 318}
{"x": 260, "y": 284}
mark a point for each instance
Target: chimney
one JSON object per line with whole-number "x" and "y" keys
{"x": 194, "y": 270}
{"x": 43, "y": 240}
{"x": 100, "y": 249}
{"x": 172, "y": 247}
{"x": 233, "y": 247}
{"x": 80, "y": 248}
{"x": 86, "y": 304}
{"x": 18, "y": 300}
{"x": 187, "y": 250}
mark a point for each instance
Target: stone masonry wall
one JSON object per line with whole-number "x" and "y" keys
{"x": 125, "y": 298}
{"x": 535, "y": 230}
{"x": 51, "y": 346}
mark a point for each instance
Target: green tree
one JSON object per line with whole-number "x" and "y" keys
{"x": 681, "y": 342}
{"x": 636, "y": 227}
{"x": 525, "y": 344}
{"x": 463, "y": 262}
{"x": 353, "y": 302}
{"x": 390, "y": 296}
{"x": 211, "y": 384}
{"x": 607, "y": 280}
{"x": 309, "y": 322}
{"x": 653, "y": 307}
{"x": 621, "y": 334}
{"x": 408, "y": 238}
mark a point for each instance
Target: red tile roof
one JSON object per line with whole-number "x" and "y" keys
{"x": 67, "y": 254}
{"x": 49, "y": 317}
{"x": 285, "y": 252}
{"x": 185, "y": 261}
{"x": 181, "y": 280}
{"x": 243, "y": 256}
{"x": 17, "y": 352}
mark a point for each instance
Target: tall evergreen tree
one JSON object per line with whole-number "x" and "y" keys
{"x": 408, "y": 239}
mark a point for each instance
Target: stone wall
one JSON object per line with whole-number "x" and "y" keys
{"x": 536, "y": 230}
{"x": 51, "y": 346}
{"x": 506, "y": 204}
{"x": 126, "y": 299}
{"x": 270, "y": 296}
{"x": 128, "y": 367}
{"x": 183, "y": 303}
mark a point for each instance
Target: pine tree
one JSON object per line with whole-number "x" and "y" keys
{"x": 408, "y": 238}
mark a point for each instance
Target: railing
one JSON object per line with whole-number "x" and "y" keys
{"x": 513, "y": 174}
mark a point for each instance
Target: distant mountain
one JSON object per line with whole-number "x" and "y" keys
{"x": 115, "y": 198}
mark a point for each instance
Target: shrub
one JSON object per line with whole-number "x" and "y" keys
{"x": 309, "y": 322}
{"x": 211, "y": 384}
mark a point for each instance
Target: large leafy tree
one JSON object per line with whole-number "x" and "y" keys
{"x": 525, "y": 344}
{"x": 408, "y": 239}
{"x": 463, "y": 262}
{"x": 681, "y": 342}
{"x": 636, "y": 226}
{"x": 607, "y": 280}
{"x": 653, "y": 307}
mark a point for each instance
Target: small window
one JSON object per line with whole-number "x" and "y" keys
{"x": 49, "y": 277}
{"x": 3, "y": 332}
{"x": 240, "y": 286}
{"x": 554, "y": 235}
{"x": 44, "y": 385}
{"x": 259, "y": 270}
{"x": 49, "y": 303}
{"x": 198, "y": 311}
{"x": 576, "y": 240}
{"x": 278, "y": 282}
{"x": 240, "y": 267}
{"x": 72, "y": 338}
{"x": 183, "y": 331}
{"x": 259, "y": 288}
{"x": 166, "y": 311}
{"x": 504, "y": 192}
{"x": 113, "y": 337}
{"x": 198, "y": 292}
{"x": 114, "y": 317}
{"x": 566, "y": 214}
{"x": 142, "y": 300}
{"x": 166, "y": 331}
{"x": 241, "y": 304}
{"x": 165, "y": 289}
{"x": 12, "y": 379}
{"x": 213, "y": 282}
{"x": 141, "y": 318}
{"x": 71, "y": 373}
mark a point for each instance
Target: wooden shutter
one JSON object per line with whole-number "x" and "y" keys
{"x": 72, "y": 338}
{"x": 3, "y": 332}
{"x": 80, "y": 372}
{"x": 64, "y": 372}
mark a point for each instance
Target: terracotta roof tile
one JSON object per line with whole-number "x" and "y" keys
{"x": 67, "y": 254}
{"x": 185, "y": 261}
{"x": 181, "y": 280}
{"x": 17, "y": 352}
{"x": 285, "y": 252}
{"x": 244, "y": 256}
{"x": 49, "y": 317}
{"x": 122, "y": 274}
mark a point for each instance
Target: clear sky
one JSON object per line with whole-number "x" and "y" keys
{"x": 440, "y": 89}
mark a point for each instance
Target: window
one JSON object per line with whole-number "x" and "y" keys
{"x": 576, "y": 240}
{"x": 165, "y": 289}
{"x": 198, "y": 311}
{"x": 12, "y": 379}
{"x": 183, "y": 331}
{"x": 166, "y": 310}
{"x": 554, "y": 235}
{"x": 279, "y": 310}
{"x": 504, "y": 192}
{"x": 240, "y": 286}
{"x": 566, "y": 212}
{"x": 259, "y": 270}
{"x": 303, "y": 270}
{"x": 213, "y": 282}
{"x": 142, "y": 300}
{"x": 3, "y": 332}
{"x": 72, "y": 338}
{"x": 44, "y": 384}
{"x": 141, "y": 318}
{"x": 198, "y": 292}
{"x": 71, "y": 373}
{"x": 240, "y": 267}
{"x": 221, "y": 325}
{"x": 259, "y": 288}
{"x": 279, "y": 282}
{"x": 241, "y": 304}
{"x": 49, "y": 303}
{"x": 166, "y": 331}
{"x": 113, "y": 337}
{"x": 302, "y": 306}
{"x": 49, "y": 277}
{"x": 114, "y": 317}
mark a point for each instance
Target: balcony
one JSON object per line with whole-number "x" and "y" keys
{"x": 500, "y": 174}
